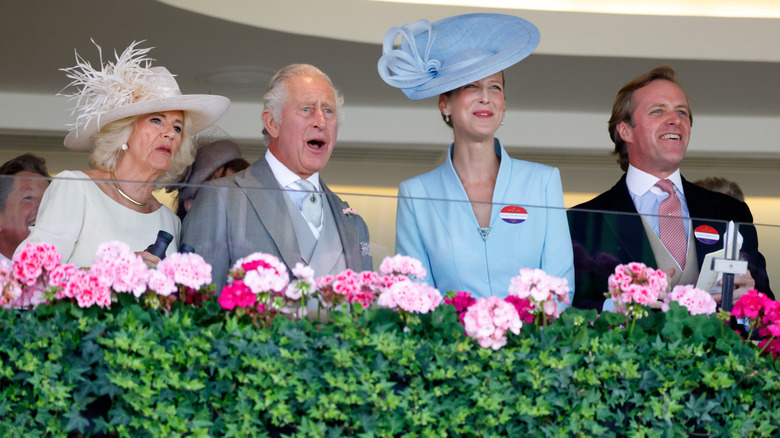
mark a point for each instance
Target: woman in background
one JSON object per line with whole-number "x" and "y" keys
{"x": 481, "y": 216}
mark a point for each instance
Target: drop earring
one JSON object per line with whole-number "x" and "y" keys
{"x": 446, "y": 117}
{"x": 124, "y": 146}
{"x": 502, "y": 120}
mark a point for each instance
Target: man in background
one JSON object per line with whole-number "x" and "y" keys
{"x": 21, "y": 189}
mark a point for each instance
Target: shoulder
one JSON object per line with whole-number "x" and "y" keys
{"x": 608, "y": 200}
{"x": 417, "y": 184}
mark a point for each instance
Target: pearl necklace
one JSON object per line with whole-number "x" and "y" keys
{"x": 125, "y": 195}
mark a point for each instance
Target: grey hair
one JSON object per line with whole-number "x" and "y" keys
{"x": 109, "y": 140}
{"x": 276, "y": 94}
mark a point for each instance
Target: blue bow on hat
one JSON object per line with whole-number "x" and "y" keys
{"x": 455, "y": 51}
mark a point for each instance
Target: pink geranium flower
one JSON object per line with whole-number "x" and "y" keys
{"x": 695, "y": 300}
{"x": 399, "y": 265}
{"x": 636, "y": 284}
{"x": 489, "y": 319}
{"x": 545, "y": 293}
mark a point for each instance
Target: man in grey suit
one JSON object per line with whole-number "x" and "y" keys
{"x": 279, "y": 205}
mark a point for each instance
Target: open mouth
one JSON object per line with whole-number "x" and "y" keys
{"x": 483, "y": 113}
{"x": 316, "y": 143}
{"x": 671, "y": 137}
{"x": 164, "y": 149}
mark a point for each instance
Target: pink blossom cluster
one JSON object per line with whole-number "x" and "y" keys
{"x": 461, "y": 301}
{"x": 635, "y": 283}
{"x": 399, "y": 265}
{"x": 11, "y": 287}
{"x": 304, "y": 283}
{"x": 88, "y": 288}
{"x": 348, "y": 286}
{"x": 544, "y": 292}
{"x": 764, "y": 314}
{"x": 24, "y": 282}
{"x": 253, "y": 281}
{"x": 695, "y": 300}
{"x": 410, "y": 296}
{"x": 489, "y": 319}
{"x": 188, "y": 270}
{"x": 120, "y": 268}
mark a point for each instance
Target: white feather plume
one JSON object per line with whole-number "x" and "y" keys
{"x": 114, "y": 85}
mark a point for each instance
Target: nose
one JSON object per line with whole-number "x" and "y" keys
{"x": 319, "y": 117}
{"x": 170, "y": 131}
{"x": 484, "y": 95}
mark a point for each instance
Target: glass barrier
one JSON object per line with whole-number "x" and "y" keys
{"x": 233, "y": 217}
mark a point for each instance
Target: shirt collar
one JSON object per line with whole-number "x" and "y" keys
{"x": 285, "y": 176}
{"x": 639, "y": 182}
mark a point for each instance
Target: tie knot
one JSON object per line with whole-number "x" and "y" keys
{"x": 665, "y": 185}
{"x": 305, "y": 185}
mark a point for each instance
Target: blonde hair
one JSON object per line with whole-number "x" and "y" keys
{"x": 109, "y": 140}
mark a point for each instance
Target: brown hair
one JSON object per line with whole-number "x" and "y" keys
{"x": 721, "y": 185}
{"x": 623, "y": 108}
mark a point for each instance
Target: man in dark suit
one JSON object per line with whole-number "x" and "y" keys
{"x": 650, "y": 126}
{"x": 279, "y": 205}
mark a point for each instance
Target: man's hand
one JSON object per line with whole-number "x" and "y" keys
{"x": 742, "y": 284}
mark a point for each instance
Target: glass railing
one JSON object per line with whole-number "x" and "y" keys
{"x": 235, "y": 217}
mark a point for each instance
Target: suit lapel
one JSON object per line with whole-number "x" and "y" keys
{"x": 267, "y": 199}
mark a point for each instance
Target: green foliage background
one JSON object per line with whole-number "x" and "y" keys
{"x": 199, "y": 372}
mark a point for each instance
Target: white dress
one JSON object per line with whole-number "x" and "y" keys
{"x": 76, "y": 216}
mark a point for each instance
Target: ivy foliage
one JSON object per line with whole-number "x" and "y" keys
{"x": 66, "y": 371}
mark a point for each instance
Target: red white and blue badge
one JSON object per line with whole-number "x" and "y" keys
{"x": 513, "y": 214}
{"x": 706, "y": 234}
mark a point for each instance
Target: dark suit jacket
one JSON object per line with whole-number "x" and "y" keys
{"x": 602, "y": 241}
{"x": 244, "y": 213}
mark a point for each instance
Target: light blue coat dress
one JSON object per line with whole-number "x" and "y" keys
{"x": 436, "y": 224}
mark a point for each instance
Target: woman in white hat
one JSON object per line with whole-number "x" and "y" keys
{"x": 481, "y": 216}
{"x": 138, "y": 127}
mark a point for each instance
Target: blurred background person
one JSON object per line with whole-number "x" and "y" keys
{"x": 216, "y": 159}
{"x": 481, "y": 216}
{"x": 721, "y": 185}
{"x": 22, "y": 183}
{"x": 137, "y": 126}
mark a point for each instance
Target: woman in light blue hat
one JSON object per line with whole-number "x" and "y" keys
{"x": 481, "y": 216}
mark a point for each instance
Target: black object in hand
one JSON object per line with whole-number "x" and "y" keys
{"x": 159, "y": 247}
{"x": 184, "y": 248}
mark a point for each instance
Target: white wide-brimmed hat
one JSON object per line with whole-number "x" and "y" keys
{"x": 131, "y": 87}
{"x": 434, "y": 58}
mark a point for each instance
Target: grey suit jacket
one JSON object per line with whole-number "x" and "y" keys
{"x": 244, "y": 213}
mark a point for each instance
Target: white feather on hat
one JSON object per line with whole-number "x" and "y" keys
{"x": 130, "y": 87}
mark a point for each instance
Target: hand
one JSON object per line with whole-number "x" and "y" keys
{"x": 742, "y": 284}
{"x": 150, "y": 259}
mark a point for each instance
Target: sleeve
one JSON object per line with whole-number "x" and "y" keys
{"x": 558, "y": 255}
{"x": 756, "y": 260}
{"x": 205, "y": 229}
{"x": 61, "y": 214}
{"x": 408, "y": 240}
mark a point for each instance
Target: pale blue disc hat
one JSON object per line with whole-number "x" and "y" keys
{"x": 434, "y": 58}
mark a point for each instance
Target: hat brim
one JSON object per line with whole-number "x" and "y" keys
{"x": 507, "y": 39}
{"x": 203, "y": 109}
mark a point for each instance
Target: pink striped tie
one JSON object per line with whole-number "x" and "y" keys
{"x": 671, "y": 225}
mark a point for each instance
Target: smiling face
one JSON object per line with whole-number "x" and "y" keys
{"x": 476, "y": 109}
{"x": 304, "y": 139}
{"x": 661, "y": 127}
{"x": 155, "y": 139}
{"x": 21, "y": 207}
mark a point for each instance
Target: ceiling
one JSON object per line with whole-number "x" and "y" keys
{"x": 729, "y": 66}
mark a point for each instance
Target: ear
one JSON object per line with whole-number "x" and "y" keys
{"x": 270, "y": 124}
{"x": 624, "y": 131}
{"x": 443, "y": 101}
